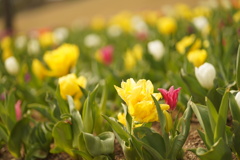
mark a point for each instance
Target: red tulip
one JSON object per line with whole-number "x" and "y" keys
{"x": 18, "y": 110}
{"x": 170, "y": 96}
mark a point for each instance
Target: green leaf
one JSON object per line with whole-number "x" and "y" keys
{"x": 203, "y": 117}
{"x": 219, "y": 151}
{"x": 62, "y": 134}
{"x": 3, "y": 133}
{"x": 236, "y": 137}
{"x": 88, "y": 111}
{"x": 155, "y": 140}
{"x": 102, "y": 144}
{"x": 238, "y": 67}
{"x": 222, "y": 118}
{"x": 180, "y": 139}
{"x": 18, "y": 136}
{"x": 128, "y": 118}
{"x": 118, "y": 129}
{"x": 61, "y": 102}
{"x": 235, "y": 111}
{"x": 213, "y": 115}
{"x": 102, "y": 157}
{"x": 82, "y": 154}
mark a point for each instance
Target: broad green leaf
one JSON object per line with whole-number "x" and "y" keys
{"x": 203, "y": 117}
{"x": 102, "y": 144}
{"x": 219, "y": 151}
{"x": 131, "y": 152}
{"x": 18, "y": 136}
{"x": 62, "y": 134}
{"x": 235, "y": 111}
{"x": 213, "y": 115}
{"x": 180, "y": 139}
{"x": 203, "y": 137}
{"x": 222, "y": 118}
{"x": 82, "y": 145}
{"x": 128, "y": 119}
{"x": 3, "y": 133}
{"x": 61, "y": 102}
{"x": 88, "y": 115}
{"x": 117, "y": 128}
{"x": 236, "y": 137}
{"x": 82, "y": 154}
{"x": 102, "y": 157}
{"x": 155, "y": 140}
{"x": 71, "y": 104}
{"x": 77, "y": 127}
{"x": 238, "y": 67}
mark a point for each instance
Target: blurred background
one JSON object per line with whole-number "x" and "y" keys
{"x": 26, "y": 15}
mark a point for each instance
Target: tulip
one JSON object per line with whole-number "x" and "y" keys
{"x": 200, "y": 22}
{"x": 188, "y": 41}
{"x": 114, "y": 31}
{"x": 156, "y": 49}
{"x": 92, "y": 40}
{"x": 170, "y": 96}
{"x": 60, "y": 35}
{"x": 197, "y": 57}
{"x": 237, "y": 98}
{"x": 33, "y": 47}
{"x": 167, "y": 25}
{"x": 11, "y": 65}
{"x": 18, "y": 110}
{"x": 20, "y": 42}
{"x": 137, "y": 96}
{"x": 105, "y": 55}
{"x": 205, "y": 75}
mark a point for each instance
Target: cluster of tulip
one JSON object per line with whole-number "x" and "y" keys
{"x": 60, "y": 86}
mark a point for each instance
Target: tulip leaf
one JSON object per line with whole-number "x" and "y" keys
{"x": 82, "y": 154}
{"x": 88, "y": 115}
{"x": 102, "y": 157}
{"x": 203, "y": 117}
{"x": 235, "y": 111}
{"x": 61, "y": 102}
{"x": 62, "y": 134}
{"x": 213, "y": 115}
{"x": 102, "y": 144}
{"x": 236, "y": 137}
{"x": 77, "y": 127}
{"x": 222, "y": 118}
{"x": 18, "y": 136}
{"x": 3, "y": 133}
{"x": 238, "y": 67}
{"x": 128, "y": 118}
{"x": 118, "y": 129}
{"x": 181, "y": 138}
{"x": 219, "y": 151}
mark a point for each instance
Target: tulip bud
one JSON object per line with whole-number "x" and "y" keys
{"x": 114, "y": 31}
{"x": 237, "y": 98}
{"x": 156, "y": 49}
{"x": 92, "y": 40}
{"x": 33, "y": 47}
{"x": 205, "y": 75}
{"x": 11, "y": 65}
{"x": 200, "y": 22}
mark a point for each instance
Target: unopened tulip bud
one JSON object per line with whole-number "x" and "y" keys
{"x": 11, "y": 65}
{"x": 156, "y": 49}
{"x": 205, "y": 75}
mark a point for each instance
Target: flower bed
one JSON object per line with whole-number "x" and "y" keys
{"x": 88, "y": 91}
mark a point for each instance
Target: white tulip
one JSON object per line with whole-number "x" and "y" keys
{"x": 200, "y": 23}
{"x": 92, "y": 40}
{"x": 139, "y": 25}
{"x": 237, "y": 98}
{"x": 156, "y": 49}
{"x": 33, "y": 47}
{"x": 20, "y": 42}
{"x": 205, "y": 75}
{"x": 114, "y": 31}
{"x": 60, "y": 35}
{"x": 11, "y": 65}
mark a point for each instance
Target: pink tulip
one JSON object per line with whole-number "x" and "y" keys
{"x": 107, "y": 54}
{"x": 18, "y": 110}
{"x": 170, "y": 96}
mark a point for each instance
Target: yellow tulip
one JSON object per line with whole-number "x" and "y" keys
{"x": 121, "y": 118}
{"x": 169, "y": 121}
{"x": 46, "y": 39}
{"x": 166, "y": 25}
{"x": 137, "y": 96}
{"x": 183, "y": 11}
{"x": 186, "y": 42}
{"x": 123, "y": 20}
{"x": 6, "y": 43}
{"x": 70, "y": 85}
{"x": 197, "y": 57}
{"x": 38, "y": 69}
{"x": 61, "y": 60}
{"x": 7, "y": 52}
{"x": 98, "y": 23}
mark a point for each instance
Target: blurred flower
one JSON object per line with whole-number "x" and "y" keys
{"x": 205, "y": 75}
{"x": 123, "y": 20}
{"x": 237, "y": 98}
{"x": 139, "y": 25}
{"x": 137, "y": 96}
{"x": 60, "y": 35}
{"x": 121, "y": 118}
{"x": 197, "y": 57}
{"x": 105, "y": 55}
{"x": 2, "y": 97}
{"x": 98, "y": 23}
{"x": 92, "y": 40}
{"x": 183, "y": 11}
{"x": 151, "y": 17}
{"x": 46, "y": 38}
{"x": 170, "y": 96}
{"x": 201, "y": 23}
{"x": 7, "y": 52}
{"x": 166, "y": 25}
{"x": 33, "y": 47}
{"x": 38, "y": 69}
{"x": 156, "y": 49}
{"x": 189, "y": 42}
{"x": 132, "y": 56}
{"x": 114, "y": 31}
{"x": 201, "y": 11}
{"x": 70, "y": 85}
{"x": 27, "y": 77}
{"x": 11, "y": 65}
{"x": 20, "y": 42}
{"x": 18, "y": 110}
{"x": 61, "y": 60}
{"x": 6, "y": 42}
